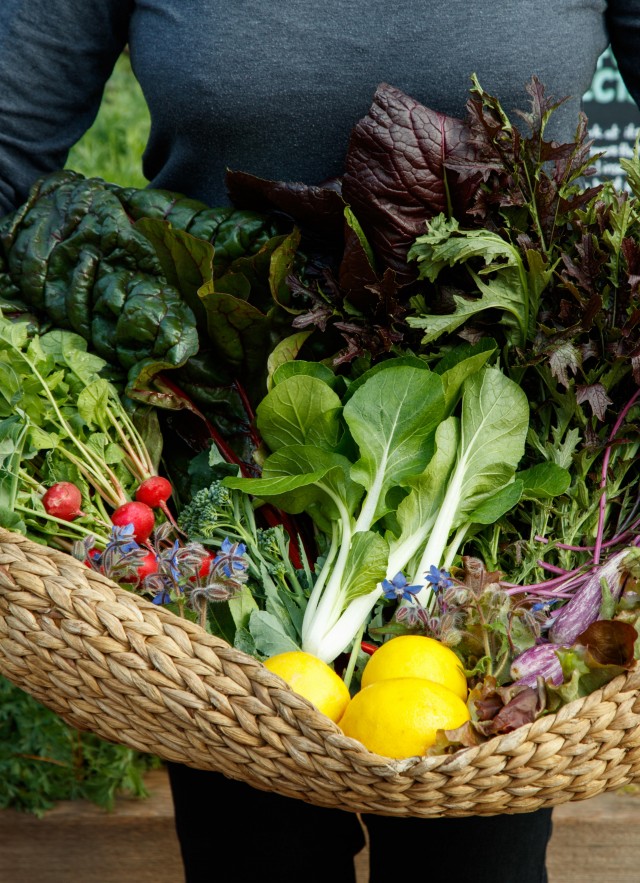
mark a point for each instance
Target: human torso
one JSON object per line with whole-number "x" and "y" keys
{"x": 274, "y": 88}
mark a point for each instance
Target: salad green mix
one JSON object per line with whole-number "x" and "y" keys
{"x": 402, "y": 402}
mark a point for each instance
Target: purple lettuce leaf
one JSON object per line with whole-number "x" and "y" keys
{"x": 609, "y": 642}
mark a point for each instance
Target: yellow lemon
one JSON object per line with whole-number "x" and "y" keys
{"x": 400, "y": 717}
{"x": 416, "y": 656}
{"x": 313, "y": 679}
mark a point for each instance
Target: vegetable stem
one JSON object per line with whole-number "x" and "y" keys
{"x": 353, "y": 656}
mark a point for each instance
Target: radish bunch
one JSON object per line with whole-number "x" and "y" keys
{"x": 63, "y": 501}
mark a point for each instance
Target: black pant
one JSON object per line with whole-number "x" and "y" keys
{"x": 263, "y": 836}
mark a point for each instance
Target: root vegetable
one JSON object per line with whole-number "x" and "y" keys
{"x": 155, "y": 491}
{"x": 205, "y": 567}
{"x": 63, "y": 500}
{"x": 148, "y": 566}
{"x": 139, "y": 515}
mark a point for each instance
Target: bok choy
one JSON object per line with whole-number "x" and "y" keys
{"x": 393, "y": 471}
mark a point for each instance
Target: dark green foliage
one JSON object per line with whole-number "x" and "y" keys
{"x": 122, "y": 267}
{"x": 42, "y": 760}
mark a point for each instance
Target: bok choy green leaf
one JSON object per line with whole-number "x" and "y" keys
{"x": 388, "y": 474}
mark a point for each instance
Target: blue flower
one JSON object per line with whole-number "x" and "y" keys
{"x": 162, "y": 597}
{"x": 229, "y": 558}
{"x": 439, "y": 578}
{"x": 398, "y": 588}
{"x": 122, "y": 538}
{"x": 228, "y": 547}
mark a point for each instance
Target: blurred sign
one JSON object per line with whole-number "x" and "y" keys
{"x": 614, "y": 120}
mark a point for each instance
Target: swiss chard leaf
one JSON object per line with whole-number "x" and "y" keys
{"x": 187, "y": 262}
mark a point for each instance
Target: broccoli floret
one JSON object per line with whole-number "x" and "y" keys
{"x": 268, "y": 541}
{"x": 209, "y": 512}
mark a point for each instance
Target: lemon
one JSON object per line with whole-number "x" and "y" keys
{"x": 400, "y": 717}
{"x": 416, "y": 656}
{"x": 313, "y": 679}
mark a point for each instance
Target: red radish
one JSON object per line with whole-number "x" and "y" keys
{"x": 204, "y": 568}
{"x": 139, "y": 515}
{"x": 149, "y": 565}
{"x": 155, "y": 492}
{"x": 63, "y": 500}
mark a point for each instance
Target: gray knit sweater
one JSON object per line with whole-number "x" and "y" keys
{"x": 273, "y": 87}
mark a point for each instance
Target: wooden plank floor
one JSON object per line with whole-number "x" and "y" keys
{"x": 594, "y": 841}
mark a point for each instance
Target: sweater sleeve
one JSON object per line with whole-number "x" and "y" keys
{"x": 55, "y": 57}
{"x": 623, "y": 22}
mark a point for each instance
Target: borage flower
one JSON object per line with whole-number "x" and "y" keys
{"x": 230, "y": 559}
{"x": 438, "y": 578}
{"x": 414, "y": 615}
{"x": 398, "y": 588}
{"x": 227, "y": 574}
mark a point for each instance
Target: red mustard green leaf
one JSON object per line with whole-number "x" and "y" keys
{"x": 396, "y": 174}
{"x": 564, "y": 360}
{"x": 318, "y": 207}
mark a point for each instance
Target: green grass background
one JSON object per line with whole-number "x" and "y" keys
{"x": 112, "y": 148}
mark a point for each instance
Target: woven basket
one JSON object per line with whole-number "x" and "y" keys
{"x": 112, "y": 663}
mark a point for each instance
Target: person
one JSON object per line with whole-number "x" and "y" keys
{"x": 274, "y": 89}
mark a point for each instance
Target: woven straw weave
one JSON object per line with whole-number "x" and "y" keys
{"x": 112, "y": 663}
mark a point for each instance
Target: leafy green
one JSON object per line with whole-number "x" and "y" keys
{"x": 42, "y": 760}
{"x": 265, "y": 617}
{"x": 73, "y": 254}
{"x": 400, "y": 443}
{"x": 510, "y": 286}
{"x": 61, "y": 421}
